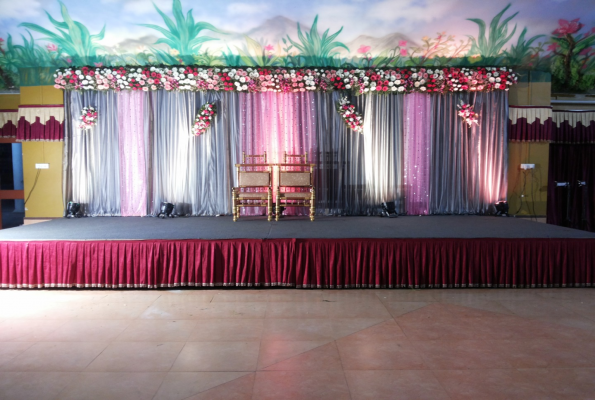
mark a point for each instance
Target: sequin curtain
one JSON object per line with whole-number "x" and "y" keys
{"x": 277, "y": 123}
{"x": 468, "y": 164}
{"x": 193, "y": 172}
{"x": 91, "y": 161}
{"x": 133, "y": 182}
{"x": 416, "y": 166}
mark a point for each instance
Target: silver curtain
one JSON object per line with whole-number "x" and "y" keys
{"x": 91, "y": 158}
{"x": 468, "y": 167}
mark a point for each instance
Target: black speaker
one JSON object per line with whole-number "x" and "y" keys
{"x": 73, "y": 210}
{"x": 389, "y": 210}
{"x": 166, "y": 210}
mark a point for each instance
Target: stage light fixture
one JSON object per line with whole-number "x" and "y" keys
{"x": 389, "y": 210}
{"x": 582, "y": 183}
{"x": 73, "y": 210}
{"x": 502, "y": 209}
{"x": 166, "y": 210}
{"x": 562, "y": 184}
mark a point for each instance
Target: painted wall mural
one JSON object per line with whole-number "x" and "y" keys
{"x": 38, "y": 36}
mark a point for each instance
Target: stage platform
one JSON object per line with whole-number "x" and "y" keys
{"x": 333, "y": 252}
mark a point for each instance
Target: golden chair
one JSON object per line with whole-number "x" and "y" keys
{"x": 298, "y": 176}
{"x": 253, "y": 175}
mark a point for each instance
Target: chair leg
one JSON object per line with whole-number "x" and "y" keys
{"x": 312, "y": 205}
{"x": 269, "y": 205}
{"x": 233, "y": 204}
{"x": 278, "y": 205}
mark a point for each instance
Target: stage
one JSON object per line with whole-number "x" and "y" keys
{"x": 331, "y": 252}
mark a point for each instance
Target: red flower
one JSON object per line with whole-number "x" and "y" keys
{"x": 568, "y": 28}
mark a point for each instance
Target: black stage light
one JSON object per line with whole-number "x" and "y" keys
{"x": 582, "y": 183}
{"x": 73, "y": 210}
{"x": 562, "y": 184}
{"x": 389, "y": 210}
{"x": 502, "y": 209}
{"x": 166, "y": 210}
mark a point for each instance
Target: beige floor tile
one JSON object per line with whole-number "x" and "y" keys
{"x": 181, "y": 385}
{"x": 389, "y": 385}
{"x": 206, "y": 311}
{"x": 242, "y": 296}
{"x": 151, "y": 330}
{"x": 323, "y": 358}
{"x": 341, "y": 327}
{"x": 83, "y": 330}
{"x": 272, "y": 352}
{"x": 27, "y": 330}
{"x": 10, "y": 350}
{"x": 114, "y": 385}
{"x": 565, "y": 383}
{"x": 386, "y": 330}
{"x": 56, "y": 356}
{"x": 238, "y": 389}
{"x": 380, "y": 355}
{"x": 461, "y": 354}
{"x": 227, "y": 330}
{"x": 34, "y": 385}
{"x": 357, "y": 309}
{"x": 217, "y": 356}
{"x": 185, "y": 297}
{"x": 490, "y": 384}
{"x": 301, "y": 329}
{"x": 399, "y": 308}
{"x": 137, "y": 357}
{"x": 290, "y": 385}
{"x": 307, "y": 309}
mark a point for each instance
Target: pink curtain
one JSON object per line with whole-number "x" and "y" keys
{"x": 277, "y": 123}
{"x": 416, "y": 143}
{"x": 133, "y": 180}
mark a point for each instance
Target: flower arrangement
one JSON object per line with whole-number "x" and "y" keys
{"x": 466, "y": 112}
{"x": 352, "y": 118}
{"x": 286, "y": 80}
{"x": 202, "y": 121}
{"x": 88, "y": 118}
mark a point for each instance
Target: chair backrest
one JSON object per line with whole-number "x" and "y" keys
{"x": 254, "y": 158}
{"x": 296, "y": 175}
{"x": 302, "y": 158}
{"x": 251, "y": 175}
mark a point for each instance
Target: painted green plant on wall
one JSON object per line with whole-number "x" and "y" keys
{"x": 317, "y": 50}
{"x": 182, "y": 36}
{"x": 71, "y": 37}
{"x": 573, "y": 64}
{"x": 257, "y": 56}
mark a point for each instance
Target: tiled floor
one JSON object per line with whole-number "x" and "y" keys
{"x": 290, "y": 344}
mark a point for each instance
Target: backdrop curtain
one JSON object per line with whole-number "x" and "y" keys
{"x": 571, "y": 163}
{"x": 468, "y": 165}
{"x": 91, "y": 157}
{"x": 414, "y": 150}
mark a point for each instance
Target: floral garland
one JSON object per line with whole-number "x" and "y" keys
{"x": 351, "y": 117}
{"x": 202, "y": 121}
{"x": 88, "y": 118}
{"x": 286, "y": 80}
{"x": 466, "y": 112}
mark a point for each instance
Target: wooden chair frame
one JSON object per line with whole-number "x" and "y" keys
{"x": 283, "y": 198}
{"x": 262, "y": 179}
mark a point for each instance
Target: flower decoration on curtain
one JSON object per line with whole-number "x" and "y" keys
{"x": 88, "y": 118}
{"x": 352, "y": 118}
{"x": 466, "y": 112}
{"x": 202, "y": 121}
{"x": 286, "y": 80}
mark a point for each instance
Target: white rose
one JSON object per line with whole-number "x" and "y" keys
{"x": 245, "y": 87}
{"x": 401, "y": 88}
{"x": 347, "y": 86}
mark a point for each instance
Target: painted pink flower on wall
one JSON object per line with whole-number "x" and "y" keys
{"x": 52, "y": 47}
{"x": 269, "y": 47}
{"x": 363, "y": 49}
{"x": 402, "y": 43}
{"x": 568, "y": 28}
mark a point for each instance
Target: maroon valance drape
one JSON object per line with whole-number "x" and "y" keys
{"x": 40, "y": 122}
{"x": 303, "y": 263}
{"x": 530, "y": 123}
{"x": 573, "y": 126}
{"x": 8, "y": 123}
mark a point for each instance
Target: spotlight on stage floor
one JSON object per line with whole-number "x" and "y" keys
{"x": 502, "y": 209}
{"x": 166, "y": 210}
{"x": 389, "y": 210}
{"x": 73, "y": 210}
